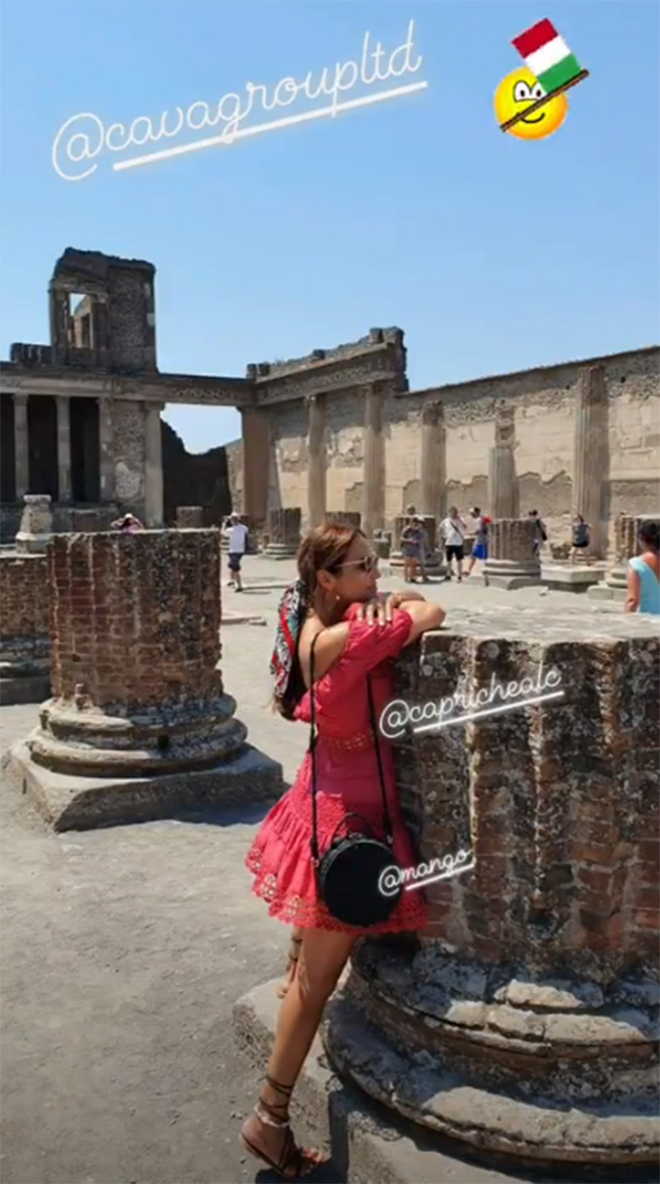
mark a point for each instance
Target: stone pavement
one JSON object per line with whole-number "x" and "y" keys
{"x": 124, "y": 951}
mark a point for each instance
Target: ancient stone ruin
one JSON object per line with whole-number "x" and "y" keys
{"x": 525, "y": 1021}
{"x": 139, "y": 725}
{"x": 512, "y": 560}
{"x": 283, "y": 533}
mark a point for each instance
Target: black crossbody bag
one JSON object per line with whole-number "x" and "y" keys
{"x": 356, "y": 867}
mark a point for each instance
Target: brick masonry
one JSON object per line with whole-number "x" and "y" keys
{"x": 23, "y": 596}
{"x": 534, "y": 986}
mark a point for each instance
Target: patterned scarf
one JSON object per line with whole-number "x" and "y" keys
{"x": 293, "y": 606}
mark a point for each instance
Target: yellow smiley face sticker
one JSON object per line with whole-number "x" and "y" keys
{"x": 516, "y": 94}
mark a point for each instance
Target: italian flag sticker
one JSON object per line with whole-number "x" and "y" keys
{"x": 548, "y": 57}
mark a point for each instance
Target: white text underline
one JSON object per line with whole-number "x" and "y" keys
{"x": 304, "y": 117}
{"x": 461, "y": 719}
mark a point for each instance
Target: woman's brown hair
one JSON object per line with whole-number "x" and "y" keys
{"x": 323, "y": 549}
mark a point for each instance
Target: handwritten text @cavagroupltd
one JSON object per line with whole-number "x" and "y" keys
{"x": 466, "y": 705}
{"x": 83, "y": 137}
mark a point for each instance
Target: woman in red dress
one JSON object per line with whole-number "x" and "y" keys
{"x": 335, "y": 601}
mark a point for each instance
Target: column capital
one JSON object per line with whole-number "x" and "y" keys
{"x": 432, "y": 412}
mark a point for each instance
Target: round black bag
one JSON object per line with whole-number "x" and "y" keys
{"x": 351, "y": 878}
{"x": 350, "y": 875}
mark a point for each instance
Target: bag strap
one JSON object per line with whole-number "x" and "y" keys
{"x": 313, "y": 739}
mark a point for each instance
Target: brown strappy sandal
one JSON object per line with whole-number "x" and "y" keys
{"x": 292, "y": 1156}
{"x": 291, "y": 963}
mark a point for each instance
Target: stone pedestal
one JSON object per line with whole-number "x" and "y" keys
{"x": 85, "y": 521}
{"x": 524, "y": 1021}
{"x": 348, "y": 518}
{"x": 190, "y": 517}
{"x": 382, "y": 544}
{"x": 24, "y": 621}
{"x": 283, "y": 533}
{"x": 511, "y": 561}
{"x": 626, "y": 546}
{"x": 36, "y": 524}
{"x": 139, "y": 725}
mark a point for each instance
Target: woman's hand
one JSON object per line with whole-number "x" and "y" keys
{"x": 380, "y": 611}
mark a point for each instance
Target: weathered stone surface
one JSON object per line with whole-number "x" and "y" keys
{"x": 36, "y": 524}
{"x": 525, "y": 983}
{"x": 350, "y": 518}
{"x": 24, "y": 618}
{"x": 137, "y": 689}
{"x": 190, "y": 517}
{"x": 283, "y": 532}
{"x": 512, "y": 561}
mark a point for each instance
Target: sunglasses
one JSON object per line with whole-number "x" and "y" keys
{"x": 366, "y": 565}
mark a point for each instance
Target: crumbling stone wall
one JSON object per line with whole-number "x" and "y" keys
{"x": 24, "y": 604}
{"x": 194, "y": 479}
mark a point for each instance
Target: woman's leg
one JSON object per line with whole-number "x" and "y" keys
{"x": 295, "y": 942}
{"x": 323, "y": 956}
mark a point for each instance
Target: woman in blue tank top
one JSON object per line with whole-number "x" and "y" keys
{"x": 644, "y": 573}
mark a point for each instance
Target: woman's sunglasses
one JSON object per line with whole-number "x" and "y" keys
{"x": 367, "y": 565}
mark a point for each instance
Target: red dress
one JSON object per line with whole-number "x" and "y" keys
{"x": 347, "y": 773}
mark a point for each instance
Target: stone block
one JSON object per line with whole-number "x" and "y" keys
{"x": 283, "y": 532}
{"x": 36, "y": 524}
{"x": 139, "y": 724}
{"x": 190, "y": 517}
{"x": 556, "y": 798}
{"x": 351, "y": 519}
{"x": 566, "y": 577}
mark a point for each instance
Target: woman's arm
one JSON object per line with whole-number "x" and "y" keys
{"x": 633, "y": 590}
{"x": 425, "y": 616}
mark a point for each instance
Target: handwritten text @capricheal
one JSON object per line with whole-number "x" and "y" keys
{"x": 84, "y": 137}
{"x": 466, "y": 705}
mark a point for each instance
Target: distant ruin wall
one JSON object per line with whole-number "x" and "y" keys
{"x": 194, "y": 479}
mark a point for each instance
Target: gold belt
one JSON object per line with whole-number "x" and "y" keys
{"x": 347, "y": 743}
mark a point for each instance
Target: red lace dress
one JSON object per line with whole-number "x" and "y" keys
{"x": 347, "y": 772}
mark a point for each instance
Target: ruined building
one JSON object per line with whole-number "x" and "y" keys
{"x": 337, "y": 431}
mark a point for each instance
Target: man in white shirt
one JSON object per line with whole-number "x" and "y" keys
{"x": 453, "y": 531}
{"x": 237, "y": 533}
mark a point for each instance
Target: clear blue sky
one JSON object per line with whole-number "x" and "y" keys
{"x": 493, "y": 254}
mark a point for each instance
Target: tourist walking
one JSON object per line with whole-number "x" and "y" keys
{"x": 236, "y": 533}
{"x": 540, "y": 533}
{"x": 453, "y": 530}
{"x": 480, "y": 526}
{"x": 337, "y": 636}
{"x": 581, "y": 536}
{"x": 643, "y": 580}
{"x": 413, "y": 546}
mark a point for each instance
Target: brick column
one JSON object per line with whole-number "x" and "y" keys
{"x": 526, "y": 1020}
{"x": 589, "y": 467}
{"x": 434, "y": 470}
{"x": 256, "y": 455}
{"x": 316, "y": 461}
{"x": 139, "y": 705}
{"x": 106, "y": 451}
{"x": 512, "y": 562}
{"x": 64, "y": 448}
{"x": 24, "y": 621}
{"x": 21, "y": 446}
{"x": 374, "y": 460}
{"x": 154, "y": 466}
{"x": 283, "y": 533}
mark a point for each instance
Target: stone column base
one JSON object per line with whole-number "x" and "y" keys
{"x": 280, "y": 551}
{"x": 563, "y": 577}
{"x": 512, "y": 573}
{"x": 613, "y": 588}
{"x": 81, "y": 803}
{"x": 554, "y": 1072}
